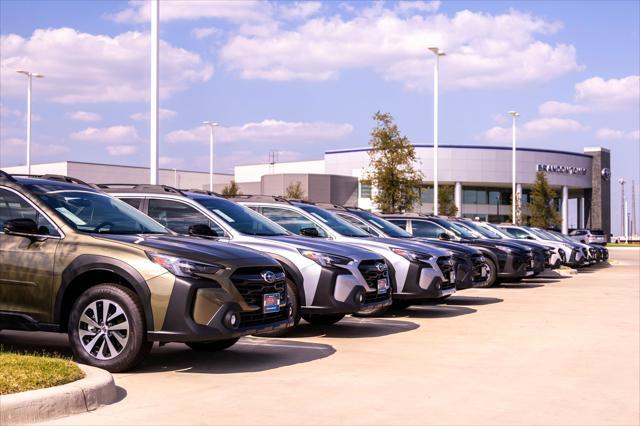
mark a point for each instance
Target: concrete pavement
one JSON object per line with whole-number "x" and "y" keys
{"x": 546, "y": 351}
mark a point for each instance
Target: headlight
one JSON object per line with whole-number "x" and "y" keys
{"x": 183, "y": 267}
{"x": 505, "y": 249}
{"x": 411, "y": 256}
{"x": 325, "y": 259}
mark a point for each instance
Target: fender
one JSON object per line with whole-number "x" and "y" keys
{"x": 489, "y": 254}
{"x": 89, "y": 263}
{"x": 292, "y": 270}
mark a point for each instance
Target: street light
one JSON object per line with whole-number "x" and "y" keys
{"x": 154, "y": 91}
{"x": 29, "y": 75}
{"x": 622, "y": 182}
{"x": 514, "y": 115}
{"x": 436, "y": 51}
{"x": 211, "y": 126}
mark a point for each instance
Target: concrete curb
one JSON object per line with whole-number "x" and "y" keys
{"x": 96, "y": 389}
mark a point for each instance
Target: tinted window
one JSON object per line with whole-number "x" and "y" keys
{"x": 133, "y": 202}
{"x": 240, "y": 218}
{"x": 426, "y": 229}
{"x": 517, "y": 233}
{"x": 400, "y": 223}
{"x": 356, "y": 222}
{"x": 179, "y": 217}
{"x": 291, "y": 220}
{"x": 341, "y": 226}
{"x": 13, "y": 206}
{"x": 387, "y": 227}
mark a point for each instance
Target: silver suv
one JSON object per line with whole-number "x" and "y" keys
{"x": 588, "y": 236}
{"x": 325, "y": 280}
{"x": 418, "y": 272}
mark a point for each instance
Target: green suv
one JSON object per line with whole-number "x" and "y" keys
{"x": 75, "y": 260}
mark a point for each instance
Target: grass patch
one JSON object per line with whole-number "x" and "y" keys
{"x": 623, "y": 245}
{"x": 19, "y": 373}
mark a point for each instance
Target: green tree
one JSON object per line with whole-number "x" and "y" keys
{"x": 392, "y": 167}
{"x": 294, "y": 190}
{"x": 543, "y": 212}
{"x": 231, "y": 189}
{"x": 446, "y": 202}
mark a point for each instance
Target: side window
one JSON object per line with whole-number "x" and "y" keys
{"x": 355, "y": 222}
{"x": 518, "y": 233}
{"x": 13, "y": 206}
{"x": 179, "y": 217}
{"x": 422, "y": 228}
{"x": 399, "y": 222}
{"x": 133, "y": 202}
{"x": 290, "y": 220}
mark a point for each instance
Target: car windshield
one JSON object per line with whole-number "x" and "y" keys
{"x": 460, "y": 231}
{"x": 497, "y": 230}
{"x": 341, "y": 226}
{"x": 241, "y": 218}
{"x": 94, "y": 212}
{"x": 560, "y": 237}
{"x": 539, "y": 233}
{"x": 485, "y": 232}
{"x": 385, "y": 226}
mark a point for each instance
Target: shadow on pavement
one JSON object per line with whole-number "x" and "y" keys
{"x": 520, "y": 285}
{"x": 471, "y": 301}
{"x": 430, "y": 311}
{"x": 50, "y": 344}
{"x": 351, "y": 327}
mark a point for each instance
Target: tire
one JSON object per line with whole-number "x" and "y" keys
{"x": 110, "y": 348}
{"x": 401, "y": 304}
{"x": 320, "y": 319}
{"x": 215, "y": 346}
{"x": 292, "y": 292}
{"x": 493, "y": 274}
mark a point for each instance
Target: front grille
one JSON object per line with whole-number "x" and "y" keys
{"x": 446, "y": 264}
{"x": 371, "y": 274}
{"x": 252, "y": 287}
{"x": 479, "y": 263}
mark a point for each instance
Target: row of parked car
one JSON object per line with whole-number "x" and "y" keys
{"x": 119, "y": 267}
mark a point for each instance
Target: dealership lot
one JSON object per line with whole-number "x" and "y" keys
{"x": 550, "y": 350}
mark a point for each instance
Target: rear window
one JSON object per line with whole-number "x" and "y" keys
{"x": 597, "y": 232}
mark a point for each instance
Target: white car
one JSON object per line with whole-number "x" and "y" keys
{"x": 572, "y": 256}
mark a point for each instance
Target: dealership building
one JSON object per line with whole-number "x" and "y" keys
{"x": 481, "y": 176}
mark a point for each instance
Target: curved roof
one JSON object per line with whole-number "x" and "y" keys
{"x": 501, "y": 148}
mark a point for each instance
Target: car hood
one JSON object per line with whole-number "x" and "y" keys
{"x": 380, "y": 242}
{"x": 321, "y": 245}
{"x": 192, "y": 248}
{"x": 493, "y": 243}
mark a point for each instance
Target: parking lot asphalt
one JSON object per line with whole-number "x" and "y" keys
{"x": 562, "y": 350}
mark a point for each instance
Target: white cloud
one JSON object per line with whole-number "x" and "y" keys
{"x": 171, "y": 162}
{"x": 597, "y": 94}
{"x": 87, "y": 68}
{"x": 204, "y": 32}
{"x": 121, "y": 150}
{"x": 418, "y": 6}
{"x": 16, "y": 146}
{"x": 483, "y": 50}
{"x": 113, "y": 134}
{"x": 164, "y": 114}
{"x": 265, "y": 131}
{"x": 299, "y": 10}
{"x": 8, "y": 112}
{"x": 611, "y": 134}
{"x": 236, "y": 11}
{"x": 84, "y": 116}
{"x": 535, "y": 129}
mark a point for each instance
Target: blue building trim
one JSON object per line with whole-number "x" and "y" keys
{"x": 501, "y": 148}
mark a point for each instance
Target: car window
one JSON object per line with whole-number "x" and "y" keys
{"x": 399, "y": 222}
{"x": 332, "y": 221}
{"x": 291, "y": 220}
{"x": 426, "y": 229}
{"x": 241, "y": 218}
{"x": 518, "y": 233}
{"x": 179, "y": 216}
{"x": 133, "y": 202}
{"x": 12, "y": 206}
{"x": 356, "y": 222}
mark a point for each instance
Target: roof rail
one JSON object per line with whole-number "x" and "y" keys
{"x": 139, "y": 187}
{"x": 257, "y": 197}
{"x": 202, "y": 191}
{"x": 331, "y": 206}
{"x": 6, "y": 176}
{"x": 58, "y": 178}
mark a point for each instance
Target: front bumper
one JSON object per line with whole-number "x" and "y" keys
{"x": 339, "y": 292}
{"x": 517, "y": 265}
{"x": 200, "y": 310}
{"x": 424, "y": 282}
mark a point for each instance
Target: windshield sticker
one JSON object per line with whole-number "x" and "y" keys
{"x": 72, "y": 217}
{"x": 224, "y": 216}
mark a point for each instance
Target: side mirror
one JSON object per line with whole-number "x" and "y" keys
{"x": 202, "y": 230}
{"x": 21, "y": 227}
{"x": 444, "y": 236}
{"x": 310, "y": 232}
{"x": 529, "y": 237}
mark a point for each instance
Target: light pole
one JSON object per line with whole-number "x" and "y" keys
{"x": 436, "y": 69}
{"x": 29, "y": 75}
{"x": 621, "y": 181}
{"x": 154, "y": 116}
{"x": 514, "y": 200}
{"x": 211, "y": 126}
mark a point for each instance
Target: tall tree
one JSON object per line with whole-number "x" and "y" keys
{"x": 543, "y": 211}
{"x": 294, "y": 190}
{"x": 392, "y": 167}
{"x": 231, "y": 189}
{"x": 446, "y": 202}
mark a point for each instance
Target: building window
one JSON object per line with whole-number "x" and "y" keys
{"x": 365, "y": 190}
{"x": 426, "y": 195}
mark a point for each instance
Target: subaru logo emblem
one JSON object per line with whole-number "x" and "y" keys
{"x": 381, "y": 267}
{"x": 268, "y": 276}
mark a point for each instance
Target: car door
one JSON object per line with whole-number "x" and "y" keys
{"x": 179, "y": 216}
{"x": 26, "y": 263}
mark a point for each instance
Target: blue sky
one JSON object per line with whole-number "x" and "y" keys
{"x": 302, "y": 78}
